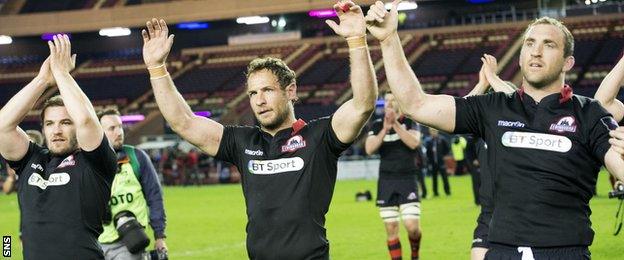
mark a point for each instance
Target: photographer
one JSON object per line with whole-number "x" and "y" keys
{"x": 136, "y": 197}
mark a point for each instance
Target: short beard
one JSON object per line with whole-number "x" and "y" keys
{"x": 545, "y": 82}
{"x": 73, "y": 147}
{"x": 117, "y": 147}
{"x": 279, "y": 120}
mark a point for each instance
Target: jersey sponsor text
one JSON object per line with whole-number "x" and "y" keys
{"x": 266, "y": 167}
{"x": 55, "y": 179}
{"x": 547, "y": 142}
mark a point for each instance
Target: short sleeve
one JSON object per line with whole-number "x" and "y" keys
{"x": 227, "y": 146}
{"x": 469, "y": 114}
{"x": 599, "y": 136}
{"x": 103, "y": 158}
{"x": 330, "y": 139}
{"x": 19, "y": 165}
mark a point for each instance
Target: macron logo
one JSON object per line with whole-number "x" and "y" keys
{"x": 36, "y": 166}
{"x": 254, "y": 153}
{"x": 515, "y": 124}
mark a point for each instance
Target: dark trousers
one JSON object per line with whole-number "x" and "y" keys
{"x": 459, "y": 167}
{"x": 476, "y": 184}
{"x": 440, "y": 170}
{"x": 420, "y": 174}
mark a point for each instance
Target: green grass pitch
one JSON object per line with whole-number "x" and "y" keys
{"x": 209, "y": 223}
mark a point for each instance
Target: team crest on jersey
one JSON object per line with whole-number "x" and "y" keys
{"x": 69, "y": 161}
{"x": 293, "y": 144}
{"x": 564, "y": 124}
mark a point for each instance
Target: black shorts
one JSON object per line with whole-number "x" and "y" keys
{"x": 499, "y": 251}
{"x": 395, "y": 192}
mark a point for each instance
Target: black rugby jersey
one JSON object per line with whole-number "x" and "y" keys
{"x": 63, "y": 201}
{"x": 545, "y": 159}
{"x": 396, "y": 158}
{"x": 288, "y": 182}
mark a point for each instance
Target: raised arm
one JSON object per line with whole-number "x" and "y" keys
{"x": 609, "y": 88}
{"x": 411, "y": 137}
{"x": 13, "y": 140}
{"x": 437, "y": 111}
{"x": 614, "y": 158}
{"x": 375, "y": 140}
{"x": 488, "y": 76}
{"x": 9, "y": 184}
{"x": 89, "y": 132}
{"x": 349, "y": 119}
{"x": 202, "y": 132}
{"x": 482, "y": 85}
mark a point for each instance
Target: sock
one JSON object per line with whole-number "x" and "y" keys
{"x": 415, "y": 244}
{"x": 394, "y": 246}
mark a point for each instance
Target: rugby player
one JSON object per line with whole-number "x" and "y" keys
{"x": 135, "y": 189}
{"x": 487, "y": 78}
{"x": 288, "y": 166}
{"x": 545, "y": 144}
{"x": 395, "y": 138}
{"x": 64, "y": 189}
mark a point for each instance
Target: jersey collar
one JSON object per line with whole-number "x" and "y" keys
{"x": 565, "y": 94}
{"x": 297, "y": 126}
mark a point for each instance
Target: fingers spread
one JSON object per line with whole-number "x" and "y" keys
{"x": 150, "y": 29}
{"x": 156, "y": 27}
{"x": 163, "y": 27}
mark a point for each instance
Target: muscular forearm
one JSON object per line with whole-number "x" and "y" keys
{"x": 363, "y": 81}
{"x": 8, "y": 185}
{"x": 408, "y": 138}
{"x": 500, "y": 85}
{"x": 374, "y": 142}
{"x": 401, "y": 78}
{"x": 78, "y": 105}
{"x": 614, "y": 162}
{"x": 19, "y": 105}
{"x": 610, "y": 85}
{"x": 479, "y": 89}
{"x": 437, "y": 111}
{"x": 171, "y": 103}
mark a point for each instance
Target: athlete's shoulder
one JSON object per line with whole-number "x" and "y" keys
{"x": 589, "y": 105}
{"x": 242, "y": 130}
{"x": 320, "y": 122}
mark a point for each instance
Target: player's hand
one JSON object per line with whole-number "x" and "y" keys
{"x": 156, "y": 42}
{"x": 382, "y": 23}
{"x": 160, "y": 244}
{"x": 61, "y": 60}
{"x": 45, "y": 73}
{"x": 490, "y": 66}
{"x": 352, "y": 22}
{"x": 389, "y": 119}
{"x": 617, "y": 140}
{"x": 482, "y": 79}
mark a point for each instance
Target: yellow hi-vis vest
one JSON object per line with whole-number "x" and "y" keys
{"x": 126, "y": 195}
{"x": 458, "y": 149}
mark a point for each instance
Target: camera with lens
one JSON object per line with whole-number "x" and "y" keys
{"x": 132, "y": 233}
{"x": 156, "y": 255}
{"x": 618, "y": 192}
